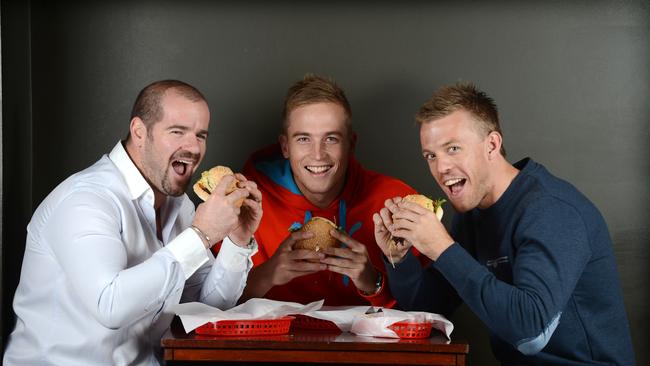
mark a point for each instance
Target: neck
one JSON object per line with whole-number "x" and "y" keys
{"x": 133, "y": 153}
{"x": 503, "y": 174}
{"x": 322, "y": 200}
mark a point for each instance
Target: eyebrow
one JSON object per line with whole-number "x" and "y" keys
{"x": 185, "y": 128}
{"x": 446, "y": 144}
{"x": 329, "y": 133}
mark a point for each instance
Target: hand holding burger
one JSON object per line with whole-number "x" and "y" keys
{"x": 211, "y": 178}
{"x": 417, "y": 221}
{"x": 232, "y": 206}
{"x": 321, "y": 239}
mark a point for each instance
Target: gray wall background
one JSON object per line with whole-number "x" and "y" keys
{"x": 571, "y": 80}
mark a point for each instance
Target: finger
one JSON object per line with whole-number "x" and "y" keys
{"x": 292, "y": 238}
{"x": 380, "y": 228}
{"x": 347, "y": 240}
{"x": 403, "y": 233}
{"x": 223, "y": 185}
{"x": 340, "y": 263}
{"x": 236, "y": 195}
{"x": 414, "y": 207}
{"x": 407, "y": 215}
{"x": 249, "y": 184}
{"x": 350, "y": 272}
{"x": 305, "y": 267}
{"x": 342, "y": 253}
{"x": 300, "y": 255}
{"x": 391, "y": 206}
{"x": 402, "y": 224}
{"x": 386, "y": 217}
{"x": 253, "y": 205}
{"x": 255, "y": 193}
{"x": 240, "y": 178}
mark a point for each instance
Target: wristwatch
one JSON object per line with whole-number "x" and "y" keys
{"x": 378, "y": 282}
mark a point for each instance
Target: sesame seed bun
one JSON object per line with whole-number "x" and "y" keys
{"x": 322, "y": 239}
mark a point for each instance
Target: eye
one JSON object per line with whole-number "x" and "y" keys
{"x": 331, "y": 140}
{"x": 453, "y": 149}
{"x": 429, "y": 156}
{"x": 176, "y": 132}
{"x": 302, "y": 139}
{"x": 202, "y": 136}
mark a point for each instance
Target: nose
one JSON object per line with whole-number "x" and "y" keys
{"x": 319, "y": 151}
{"x": 192, "y": 143}
{"x": 443, "y": 165}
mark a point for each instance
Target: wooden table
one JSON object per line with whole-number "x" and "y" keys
{"x": 316, "y": 347}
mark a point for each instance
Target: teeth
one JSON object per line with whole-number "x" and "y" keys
{"x": 318, "y": 169}
{"x": 184, "y": 161}
{"x": 451, "y": 182}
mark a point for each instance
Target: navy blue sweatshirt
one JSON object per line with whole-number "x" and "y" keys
{"x": 537, "y": 268}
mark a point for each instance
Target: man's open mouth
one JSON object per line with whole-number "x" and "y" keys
{"x": 455, "y": 185}
{"x": 318, "y": 169}
{"x": 182, "y": 166}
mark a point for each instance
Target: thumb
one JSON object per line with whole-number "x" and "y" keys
{"x": 295, "y": 236}
{"x": 223, "y": 185}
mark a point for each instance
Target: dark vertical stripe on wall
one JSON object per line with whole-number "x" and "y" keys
{"x": 17, "y": 149}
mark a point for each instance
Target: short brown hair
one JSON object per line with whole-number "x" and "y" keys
{"x": 314, "y": 89}
{"x": 147, "y": 105}
{"x": 462, "y": 96}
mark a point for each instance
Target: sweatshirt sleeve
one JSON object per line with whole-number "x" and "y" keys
{"x": 551, "y": 251}
{"x": 418, "y": 288}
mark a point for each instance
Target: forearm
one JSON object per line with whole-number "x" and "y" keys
{"x": 227, "y": 278}
{"x": 418, "y": 288}
{"x": 260, "y": 281}
{"x": 525, "y": 310}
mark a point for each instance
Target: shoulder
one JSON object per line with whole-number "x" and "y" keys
{"x": 378, "y": 183}
{"x": 542, "y": 193}
{"x": 101, "y": 185}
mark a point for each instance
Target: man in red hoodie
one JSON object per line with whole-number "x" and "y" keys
{"x": 312, "y": 172}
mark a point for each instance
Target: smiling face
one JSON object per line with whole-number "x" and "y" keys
{"x": 460, "y": 157}
{"x": 318, "y": 142}
{"x": 170, "y": 150}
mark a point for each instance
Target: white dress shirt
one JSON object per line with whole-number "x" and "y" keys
{"x": 97, "y": 284}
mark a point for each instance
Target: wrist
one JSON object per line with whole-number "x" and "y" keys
{"x": 204, "y": 237}
{"x": 379, "y": 281}
{"x": 241, "y": 242}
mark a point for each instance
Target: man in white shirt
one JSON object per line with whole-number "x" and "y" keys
{"x": 113, "y": 247}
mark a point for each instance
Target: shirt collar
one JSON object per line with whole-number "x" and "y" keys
{"x": 136, "y": 183}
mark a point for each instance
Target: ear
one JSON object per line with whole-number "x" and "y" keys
{"x": 494, "y": 141}
{"x": 138, "y": 131}
{"x": 284, "y": 145}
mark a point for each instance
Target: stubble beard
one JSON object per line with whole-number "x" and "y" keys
{"x": 157, "y": 176}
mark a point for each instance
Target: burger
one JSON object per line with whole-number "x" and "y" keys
{"x": 428, "y": 203}
{"x": 322, "y": 239}
{"x": 434, "y": 206}
{"x": 210, "y": 179}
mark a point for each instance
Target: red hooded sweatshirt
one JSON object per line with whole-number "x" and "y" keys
{"x": 285, "y": 207}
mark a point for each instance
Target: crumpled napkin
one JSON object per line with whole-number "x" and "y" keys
{"x": 342, "y": 316}
{"x": 195, "y": 314}
{"x": 376, "y": 324}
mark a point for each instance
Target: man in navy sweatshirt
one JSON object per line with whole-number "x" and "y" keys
{"x": 528, "y": 253}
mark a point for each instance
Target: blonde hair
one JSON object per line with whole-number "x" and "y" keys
{"x": 314, "y": 89}
{"x": 462, "y": 96}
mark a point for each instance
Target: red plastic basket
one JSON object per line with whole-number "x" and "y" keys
{"x": 309, "y": 323}
{"x": 411, "y": 330}
{"x": 246, "y": 327}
